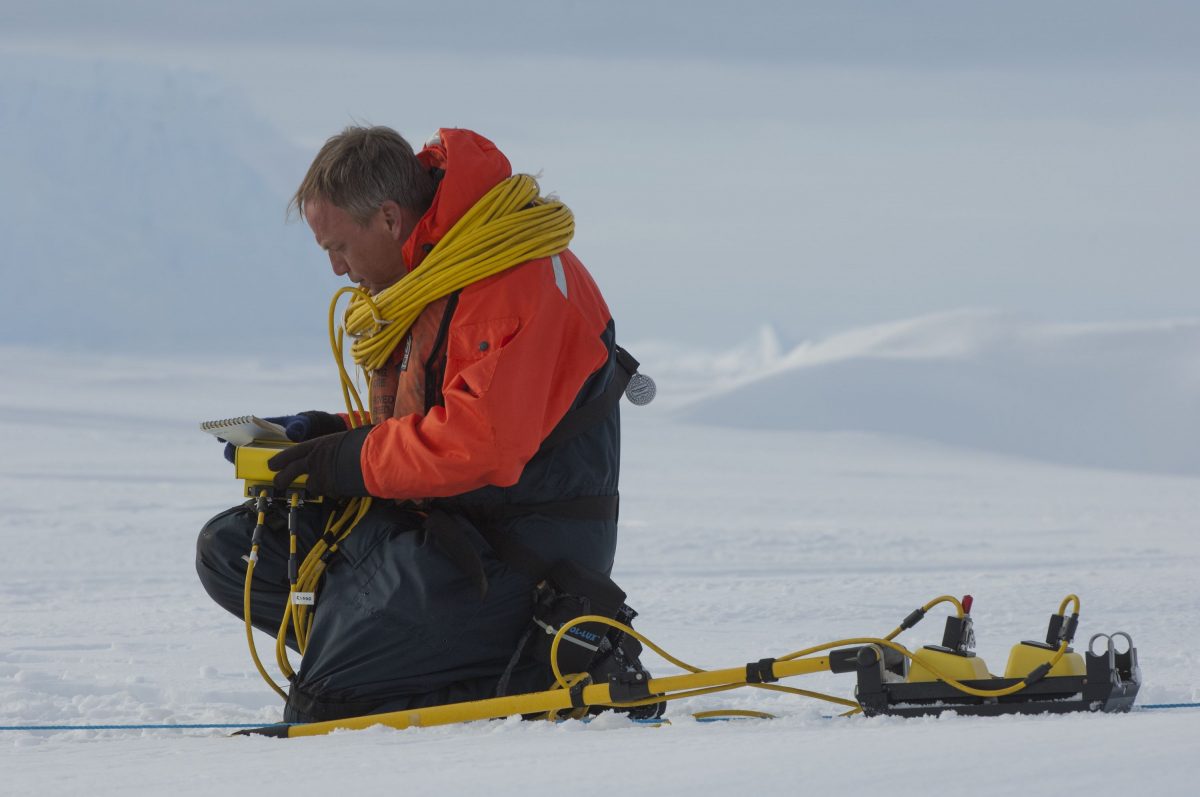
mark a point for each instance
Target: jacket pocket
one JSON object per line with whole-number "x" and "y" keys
{"x": 473, "y": 351}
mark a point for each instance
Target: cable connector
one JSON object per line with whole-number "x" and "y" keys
{"x": 576, "y": 692}
{"x": 1071, "y": 627}
{"x": 1062, "y": 629}
{"x": 959, "y": 635}
{"x": 761, "y": 672}
{"x": 915, "y": 617}
{"x": 260, "y": 507}
{"x": 1039, "y": 672}
{"x": 626, "y": 687}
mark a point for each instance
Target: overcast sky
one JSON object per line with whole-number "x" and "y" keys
{"x": 930, "y": 33}
{"x": 812, "y": 166}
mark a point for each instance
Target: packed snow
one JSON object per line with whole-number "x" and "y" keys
{"x": 735, "y": 544}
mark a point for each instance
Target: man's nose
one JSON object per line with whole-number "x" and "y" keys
{"x": 339, "y": 265}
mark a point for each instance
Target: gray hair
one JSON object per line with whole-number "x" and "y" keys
{"x": 361, "y": 168}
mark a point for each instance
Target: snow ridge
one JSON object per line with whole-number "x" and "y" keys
{"x": 144, "y": 208}
{"x": 1118, "y": 395}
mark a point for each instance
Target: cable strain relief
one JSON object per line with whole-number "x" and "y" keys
{"x": 761, "y": 672}
{"x": 1069, "y": 628}
{"x": 576, "y": 692}
{"x": 1038, "y": 674}
{"x": 915, "y": 617}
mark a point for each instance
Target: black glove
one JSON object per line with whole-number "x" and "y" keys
{"x": 332, "y": 462}
{"x": 302, "y": 426}
{"x": 312, "y": 423}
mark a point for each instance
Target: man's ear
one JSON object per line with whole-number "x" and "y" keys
{"x": 395, "y": 217}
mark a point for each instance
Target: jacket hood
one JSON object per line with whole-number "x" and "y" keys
{"x": 471, "y": 166}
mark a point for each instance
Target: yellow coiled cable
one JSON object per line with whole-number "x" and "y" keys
{"x": 510, "y": 225}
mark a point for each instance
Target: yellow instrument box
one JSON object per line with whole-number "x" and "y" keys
{"x": 250, "y": 465}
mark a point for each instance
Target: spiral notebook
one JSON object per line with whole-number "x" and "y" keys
{"x": 245, "y": 430}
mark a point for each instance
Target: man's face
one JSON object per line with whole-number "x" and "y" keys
{"x": 371, "y": 254}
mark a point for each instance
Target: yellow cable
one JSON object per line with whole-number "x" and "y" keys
{"x": 574, "y": 713}
{"x": 281, "y": 657}
{"x": 958, "y": 607}
{"x": 250, "y": 562}
{"x": 250, "y": 627}
{"x": 1062, "y": 607}
{"x": 707, "y": 690}
{"x": 732, "y": 712}
{"x": 791, "y": 690}
{"x": 354, "y": 403}
{"x": 940, "y": 599}
{"x": 313, "y": 567}
{"x": 510, "y": 225}
{"x": 281, "y": 654}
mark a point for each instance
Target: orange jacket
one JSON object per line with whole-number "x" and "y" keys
{"x": 484, "y": 376}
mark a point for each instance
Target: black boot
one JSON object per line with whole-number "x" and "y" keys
{"x": 619, "y": 654}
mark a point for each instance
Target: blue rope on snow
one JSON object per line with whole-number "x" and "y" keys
{"x": 1171, "y": 705}
{"x": 155, "y": 727}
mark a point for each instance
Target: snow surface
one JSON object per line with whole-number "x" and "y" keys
{"x": 736, "y": 544}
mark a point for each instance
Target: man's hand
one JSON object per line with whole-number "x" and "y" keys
{"x": 332, "y": 463}
{"x": 307, "y": 425}
{"x": 302, "y": 426}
